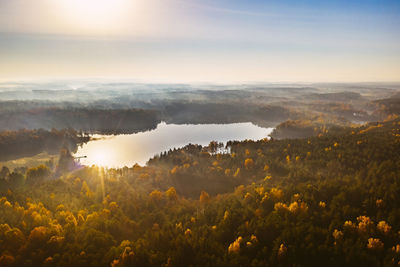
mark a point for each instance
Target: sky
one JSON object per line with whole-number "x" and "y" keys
{"x": 201, "y": 40}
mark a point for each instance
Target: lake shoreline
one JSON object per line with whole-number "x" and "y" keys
{"x": 129, "y": 149}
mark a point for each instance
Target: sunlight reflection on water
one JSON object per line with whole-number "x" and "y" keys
{"x": 126, "y": 150}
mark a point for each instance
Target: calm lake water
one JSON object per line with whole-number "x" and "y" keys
{"x": 129, "y": 149}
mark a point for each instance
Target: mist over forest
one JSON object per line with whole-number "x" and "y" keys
{"x": 141, "y": 106}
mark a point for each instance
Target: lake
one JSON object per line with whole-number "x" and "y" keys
{"x": 129, "y": 149}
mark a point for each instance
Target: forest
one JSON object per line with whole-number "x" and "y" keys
{"x": 199, "y": 133}
{"x": 15, "y": 144}
{"x": 89, "y": 120}
{"x": 326, "y": 200}
{"x": 115, "y": 108}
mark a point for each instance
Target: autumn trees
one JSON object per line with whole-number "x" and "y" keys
{"x": 282, "y": 203}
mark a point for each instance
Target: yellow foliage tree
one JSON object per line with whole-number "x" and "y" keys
{"x": 266, "y": 167}
{"x": 375, "y": 244}
{"x": 248, "y": 163}
{"x": 234, "y": 247}
{"x": 156, "y": 195}
{"x": 85, "y": 190}
{"x": 171, "y": 194}
{"x": 204, "y": 197}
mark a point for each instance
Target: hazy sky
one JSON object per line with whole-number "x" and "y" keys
{"x": 201, "y": 40}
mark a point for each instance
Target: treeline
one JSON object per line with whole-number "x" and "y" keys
{"x": 122, "y": 112}
{"x": 387, "y": 107}
{"x": 25, "y": 143}
{"x": 308, "y": 127}
{"x": 207, "y": 112}
{"x": 92, "y": 120}
{"x": 344, "y": 111}
{"x": 117, "y": 118}
{"x": 328, "y": 200}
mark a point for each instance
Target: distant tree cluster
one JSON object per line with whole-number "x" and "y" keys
{"x": 93, "y": 120}
{"x": 23, "y": 143}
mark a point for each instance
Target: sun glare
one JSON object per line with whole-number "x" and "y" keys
{"x": 95, "y": 14}
{"x": 100, "y": 158}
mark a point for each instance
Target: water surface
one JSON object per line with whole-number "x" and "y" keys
{"x": 129, "y": 149}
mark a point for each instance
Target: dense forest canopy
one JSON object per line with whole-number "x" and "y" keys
{"x": 327, "y": 200}
{"x": 109, "y": 121}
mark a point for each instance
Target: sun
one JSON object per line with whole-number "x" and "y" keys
{"x": 100, "y": 15}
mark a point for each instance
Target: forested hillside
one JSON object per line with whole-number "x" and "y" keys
{"x": 109, "y": 121}
{"x": 324, "y": 201}
{"x": 129, "y": 108}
